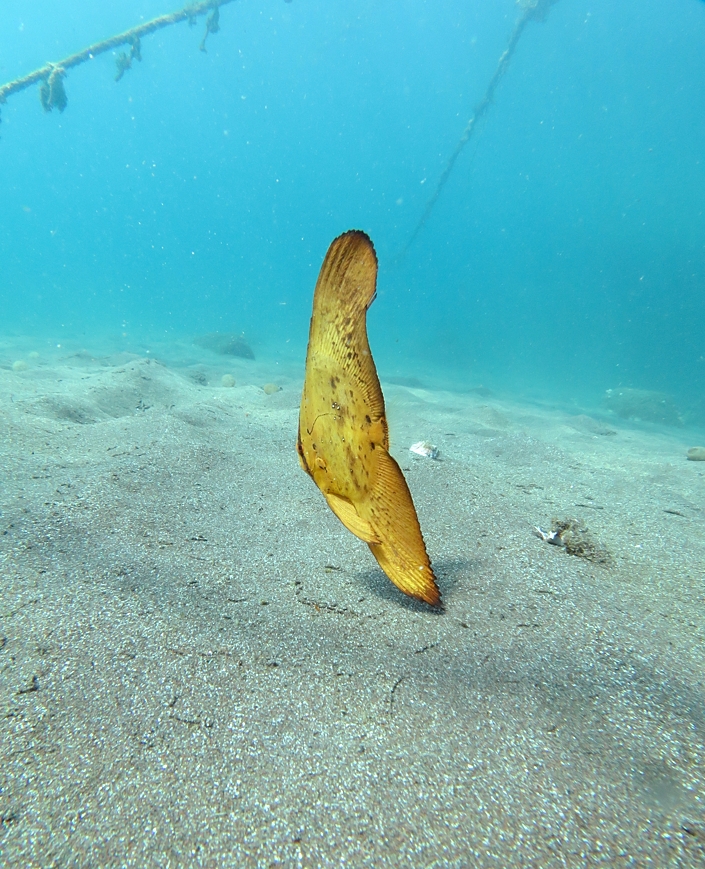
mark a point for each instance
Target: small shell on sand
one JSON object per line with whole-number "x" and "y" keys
{"x": 270, "y": 388}
{"x": 19, "y": 365}
{"x": 696, "y": 454}
{"x": 227, "y": 380}
{"x": 425, "y": 449}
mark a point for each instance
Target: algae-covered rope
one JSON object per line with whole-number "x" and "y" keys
{"x": 536, "y": 9}
{"x": 52, "y": 93}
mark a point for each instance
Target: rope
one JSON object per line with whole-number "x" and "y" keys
{"x": 51, "y": 91}
{"x": 536, "y": 9}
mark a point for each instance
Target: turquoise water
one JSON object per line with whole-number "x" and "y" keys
{"x": 565, "y": 255}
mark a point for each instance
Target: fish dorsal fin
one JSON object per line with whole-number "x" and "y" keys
{"x": 345, "y": 289}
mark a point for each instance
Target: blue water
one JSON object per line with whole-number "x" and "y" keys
{"x": 565, "y": 256}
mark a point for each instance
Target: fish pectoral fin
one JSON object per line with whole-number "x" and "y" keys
{"x": 348, "y": 515}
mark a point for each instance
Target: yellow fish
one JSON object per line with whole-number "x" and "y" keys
{"x": 343, "y": 439}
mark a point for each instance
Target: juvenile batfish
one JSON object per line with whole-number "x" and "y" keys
{"x": 343, "y": 438}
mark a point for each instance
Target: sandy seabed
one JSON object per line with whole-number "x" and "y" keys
{"x": 199, "y": 666}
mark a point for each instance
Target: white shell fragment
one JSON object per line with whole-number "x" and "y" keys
{"x": 425, "y": 449}
{"x": 553, "y": 537}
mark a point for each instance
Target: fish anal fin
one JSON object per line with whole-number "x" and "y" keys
{"x": 348, "y": 515}
{"x": 401, "y": 552}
